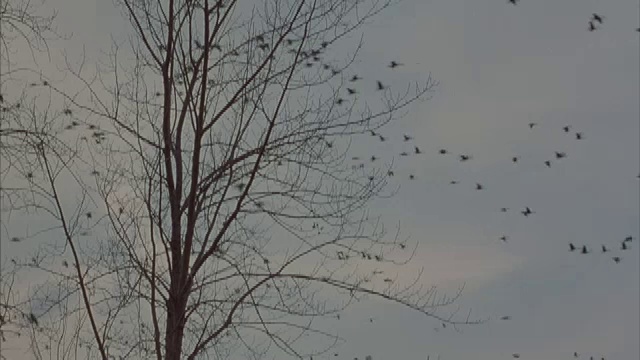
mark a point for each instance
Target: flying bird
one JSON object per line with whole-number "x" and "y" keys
{"x": 417, "y": 150}
{"x": 628, "y": 239}
{"x": 351, "y": 91}
{"x": 514, "y": 2}
{"x": 506, "y": 317}
{"x": 531, "y": 125}
{"x": 464, "y": 157}
{"x": 592, "y": 27}
{"x": 355, "y": 78}
{"x": 504, "y": 209}
{"x": 394, "y": 64}
{"x": 604, "y": 249}
{"x": 572, "y": 247}
{"x": 548, "y": 163}
{"x": 624, "y": 246}
{"x": 404, "y": 153}
{"x": 380, "y": 85}
{"x": 514, "y": 159}
{"x": 596, "y": 17}
{"x": 479, "y": 186}
{"x": 407, "y": 137}
{"x": 444, "y": 151}
{"x": 504, "y": 238}
{"x": 616, "y": 259}
{"x": 579, "y": 136}
{"x": 566, "y": 128}
{"x": 560, "y": 155}
{"x": 584, "y": 249}
{"x": 527, "y": 211}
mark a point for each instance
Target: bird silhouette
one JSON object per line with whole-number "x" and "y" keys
{"x": 604, "y": 249}
{"x": 572, "y": 247}
{"x": 628, "y": 239}
{"x": 504, "y": 209}
{"x": 592, "y": 27}
{"x": 351, "y": 91}
{"x": 444, "y": 151}
{"x": 548, "y": 163}
{"x": 404, "y": 153}
{"x": 382, "y": 138}
{"x": 516, "y": 355}
{"x": 504, "y": 238}
{"x": 380, "y": 85}
{"x": 531, "y": 125}
{"x": 566, "y": 128}
{"x": 624, "y": 246}
{"x": 579, "y": 136}
{"x": 411, "y": 177}
{"x": 560, "y": 155}
{"x": 417, "y": 150}
{"x": 506, "y": 317}
{"x": 406, "y": 137}
{"x": 355, "y": 78}
{"x": 514, "y": 159}
{"x": 464, "y": 158}
{"x": 514, "y": 2}
{"x": 584, "y": 249}
{"x": 453, "y": 182}
{"x": 527, "y": 211}
{"x": 575, "y": 354}
{"x": 616, "y": 259}
{"x": 394, "y": 64}
{"x": 479, "y": 186}
{"x": 596, "y": 17}
{"x": 340, "y": 101}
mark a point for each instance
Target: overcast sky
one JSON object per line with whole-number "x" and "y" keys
{"x": 501, "y": 67}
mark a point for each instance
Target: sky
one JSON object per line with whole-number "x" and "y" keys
{"x": 499, "y": 67}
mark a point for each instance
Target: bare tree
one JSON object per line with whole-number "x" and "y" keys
{"x": 201, "y": 187}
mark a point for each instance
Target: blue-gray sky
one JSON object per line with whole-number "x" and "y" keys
{"x": 500, "y": 67}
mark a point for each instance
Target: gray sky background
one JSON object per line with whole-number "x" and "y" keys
{"x": 500, "y": 67}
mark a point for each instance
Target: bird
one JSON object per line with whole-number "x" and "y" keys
{"x": 394, "y": 64}
{"x": 417, "y": 150}
{"x": 380, "y": 85}
{"x": 374, "y": 158}
{"x": 453, "y": 182}
{"x": 584, "y": 249}
{"x": 624, "y": 246}
{"x": 527, "y": 211}
{"x": 579, "y": 136}
{"x": 464, "y": 157}
{"x": 592, "y": 27}
{"x": 15, "y": 239}
{"x": 531, "y": 125}
{"x": 514, "y": 159}
{"x": 355, "y": 78}
{"x": 575, "y": 354}
{"x": 479, "y": 186}
{"x": 560, "y": 155}
{"x": 514, "y": 2}
{"x": 596, "y": 17}
{"x": 604, "y": 249}
{"x": 504, "y": 209}
{"x": 411, "y": 177}
{"x": 406, "y": 137}
{"x": 351, "y": 91}
{"x": 572, "y": 247}
{"x": 566, "y": 128}
{"x": 89, "y": 215}
{"x": 340, "y": 101}
{"x": 390, "y": 173}
{"x": 506, "y": 317}
{"x": 444, "y": 151}
{"x": 404, "y": 153}
{"x": 628, "y": 239}
{"x": 504, "y": 238}
{"x": 516, "y": 355}
{"x": 616, "y": 259}
{"x": 382, "y": 138}
{"x": 548, "y": 163}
